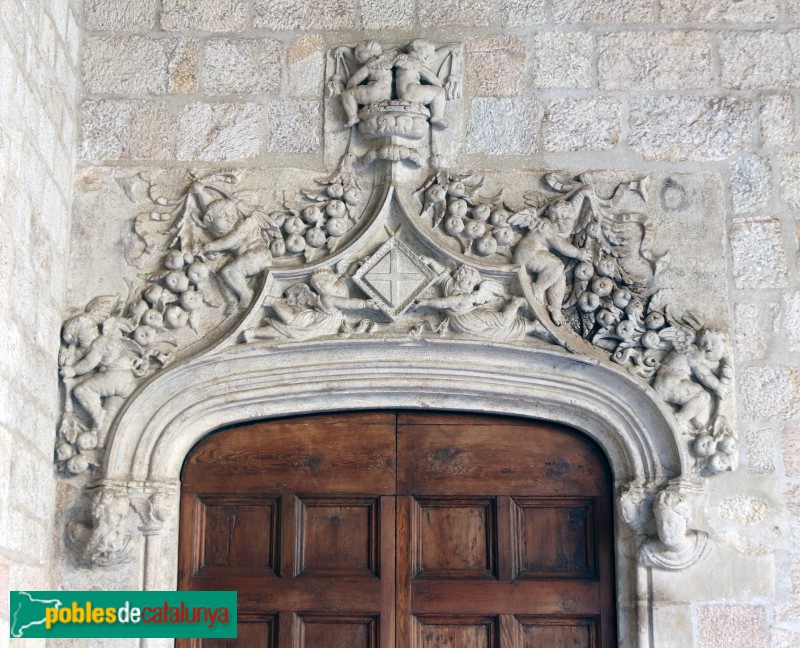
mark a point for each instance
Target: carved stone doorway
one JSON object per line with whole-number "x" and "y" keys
{"x": 404, "y": 529}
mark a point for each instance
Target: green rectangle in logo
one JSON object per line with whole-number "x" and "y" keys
{"x": 107, "y": 615}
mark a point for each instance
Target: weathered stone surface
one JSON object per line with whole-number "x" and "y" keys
{"x": 495, "y": 66}
{"x": 771, "y": 392}
{"x": 304, "y": 66}
{"x": 305, "y": 14}
{"x": 126, "y": 130}
{"x": 502, "y": 126}
{"x": 790, "y": 609}
{"x": 120, "y": 15}
{"x": 749, "y": 341}
{"x": 792, "y": 9}
{"x": 204, "y": 15}
{"x": 758, "y": 254}
{"x": 293, "y": 126}
{"x": 522, "y": 13}
{"x": 790, "y": 447}
{"x": 722, "y": 625}
{"x": 603, "y": 11}
{"x": 138, "y": 65}
{"x": 726, "y": 11}
{"x": 386, "y": 14}
{"x": 743, "y": 509}
{"x": 760, "y": 446}
{"x": 562, "y": 60}
{"x": 777, "y": 119}
{"x": 744, "y": 545}
{"x": 755, "y": 60}
{"x": 791, "y": 320}
{"x": 655, "y": 60}
{"x": 576, "y": 124}
{"x": 219, "y": 131}
{"x": 785, "y": 638}
{"x": 790, "y": 179}
{"x": 689, "y": 128}
{"x": 751, "y": 183}
{"x": 461, "y": 13}
{"x": 242, "y": 65}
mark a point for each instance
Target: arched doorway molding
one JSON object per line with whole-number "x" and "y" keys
{"x": 168, "y": 416}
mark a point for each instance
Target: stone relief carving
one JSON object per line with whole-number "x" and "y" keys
{"x": 106, "y": 538}
{"x": 392, "y": 97}
{"x": 571, "y": 262}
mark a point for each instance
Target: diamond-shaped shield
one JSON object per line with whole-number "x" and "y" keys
{"x": 394, "y": 277}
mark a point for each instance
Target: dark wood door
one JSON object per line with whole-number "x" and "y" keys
{"x": 409, "y": 530}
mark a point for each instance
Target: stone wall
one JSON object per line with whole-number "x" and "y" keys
{"x": 670, "y": 86}
{"x": 39, "y": 52}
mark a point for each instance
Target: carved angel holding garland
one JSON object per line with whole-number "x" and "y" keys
{"x": 311, "y": 310}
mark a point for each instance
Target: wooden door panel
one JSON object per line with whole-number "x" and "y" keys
{"x": 345, "y": 631}
{"x": 325, "y": 455}
{"x": 238, "y": 532}
{"x": 253, "y": 632}
{"x": 454, "y": 538}
{"x": 339, "y": 535}
{"x": 458, "y": 631}
{"x": 554, "y": 538}
{"x": 464, "y": 459}
{"x": 559, "y": 632}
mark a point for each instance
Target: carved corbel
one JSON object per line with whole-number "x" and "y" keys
{"x": 108, "y": 538}
{"x": 676, "y": 545}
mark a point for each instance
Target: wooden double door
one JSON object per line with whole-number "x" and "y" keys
{"x": 403, "y": 530}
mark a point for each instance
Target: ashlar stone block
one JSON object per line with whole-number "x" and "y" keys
{"x": 562, "y": 60}
{"x": 305, "y": 64}
{"x": 235, "y": 65}
{"x": 495, "y": 66}
{"x": 726, "y": 11}
{"x": 655, "y": 60}
{"x": 119, "y": 15}
{"x": 790, "y": 446}
{"x": 503, "y": 126}
{"x": 461, "y": 13}
{"x": 205, "y": 15}
{"x": 758, "y": 254}
{"x": 126, "y": 130}
{"x": 603, "y": 11}
{"x": 791, "y": 320}
{"x": 304, "y": 14}
{"x": 139, "y": 65}
{"x": 386, "y": 14}
{"x": 790, "y": 179}
{"x": 777, "y": 120}
{"x": 219, "y": 131}
{"x": 689, "y": 128}
{"x": 522, "y": 13}
{"x": 577, "y": 124}
{"x": 771, "y": 392}
{"x": 293, "y": 126}
{"x": 722, "y": 625}
{"x": 751, "y": 60}
{"x": 751, "y": 183}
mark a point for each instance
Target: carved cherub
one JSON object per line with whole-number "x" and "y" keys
{"x": 109, "y": 361}
{"x": 477, "y": 306}
{"x": 310, "y": 310}
{"x": 371, "y": 83}
{"x": 417, "y": 83}
{"x": 694, "y": 372}
{"x": 244, "y": 238}
{"x": 547, "y": 234}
